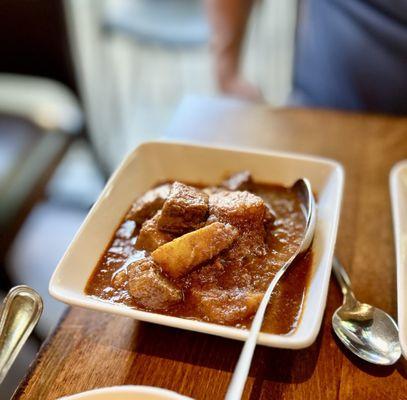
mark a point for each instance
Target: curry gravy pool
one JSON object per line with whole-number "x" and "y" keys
{"x": 227, "y": 288}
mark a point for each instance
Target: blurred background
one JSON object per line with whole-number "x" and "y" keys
{"x": 82, "y": 82}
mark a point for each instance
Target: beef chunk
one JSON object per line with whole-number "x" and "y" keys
{"x": 185, "y": 209}
{"x": 148, "y": 204}
{"x": 178, "y": 257}
{"x": 241, "y": 209}
{"x": 150, "y": 237}
{"x": 239, "y": 181}
{"x": 249, "y": 244}
{"x": 247, "y": 212}
{"x": 226, "y": 306}
{"x": 149, "y": 287}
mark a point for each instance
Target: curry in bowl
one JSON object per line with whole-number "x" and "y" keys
{"x": 208, "y": 253}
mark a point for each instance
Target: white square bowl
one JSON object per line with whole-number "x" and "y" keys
{"x": 398, "y": 191}
{"x": 158, "y": 161}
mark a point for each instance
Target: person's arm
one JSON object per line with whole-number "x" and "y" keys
{"x": 228, "y": 20}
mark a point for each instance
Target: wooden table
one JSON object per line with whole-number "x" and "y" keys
{"x": 90, "y": 349}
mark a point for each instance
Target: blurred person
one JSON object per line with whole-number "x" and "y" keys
{"x": 350, "y": 54}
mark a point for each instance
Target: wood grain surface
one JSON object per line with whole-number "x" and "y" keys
{"x": 90, "y": 349}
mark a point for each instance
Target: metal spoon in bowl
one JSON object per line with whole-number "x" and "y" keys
{"x": 235, "y": 390}
{"x": 366, "y": 331}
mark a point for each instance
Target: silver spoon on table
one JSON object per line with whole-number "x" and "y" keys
{"x": 366, "y": 331}
{"x": 235, "y": 390}
{"x": 19, "y": 313}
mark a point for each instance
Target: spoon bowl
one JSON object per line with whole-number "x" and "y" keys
{"x": 366, "y": 331}
{"x": 19, "y": 313}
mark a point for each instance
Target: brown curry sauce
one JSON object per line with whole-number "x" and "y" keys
{"x": 285, "y": 307}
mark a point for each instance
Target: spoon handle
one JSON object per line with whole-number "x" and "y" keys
{"x": 342, "y": 278}
{"x": 239, "y": 377}
{"x": 20, "y": 312}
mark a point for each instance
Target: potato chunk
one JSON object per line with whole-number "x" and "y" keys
{"x": 241, "y": 209}
{"x": 226, "y": 306}
{"x": 178, "y": 257}
{"x": 185, "y": 209}
{"x": 150, "y": 237}
{"x": 149, "y": 287}
{"x": 148, "y": 204}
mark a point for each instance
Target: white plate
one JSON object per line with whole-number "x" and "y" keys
{"x": 398, "y": 190}
{"x": 127, "y": 393}
{"x": 157, "y": 161}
